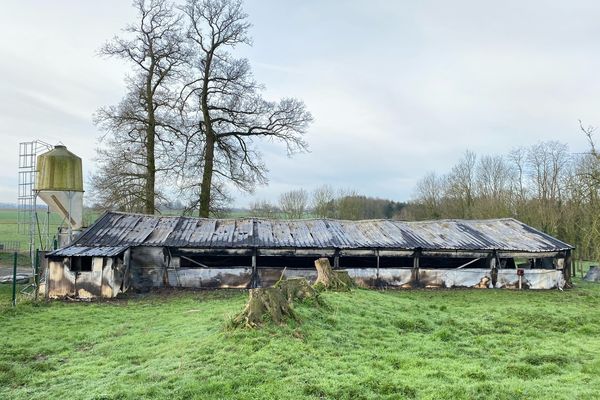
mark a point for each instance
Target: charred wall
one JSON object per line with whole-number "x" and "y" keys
{"x": 71, "y": 277}
{"x": 144, "y": 268}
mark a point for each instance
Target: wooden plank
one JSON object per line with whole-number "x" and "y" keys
{"x": 468, "y": 263}
{"x": 455, "y": 254}
{"x": 396, "y": 253}
{"x": 357, "y": 253}
{"x": 297, "y": 252}
{"x": 216, "y": 252}
{"x": 512, "y": 254}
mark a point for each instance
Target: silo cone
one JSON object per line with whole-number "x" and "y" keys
{"x": 59, "y": 183}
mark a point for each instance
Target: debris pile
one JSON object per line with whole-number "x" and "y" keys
{"x": 593, "y": 274}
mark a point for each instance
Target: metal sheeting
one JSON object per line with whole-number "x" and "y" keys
{"x": 87, "y": 251}
{"x": 115, "y": 231}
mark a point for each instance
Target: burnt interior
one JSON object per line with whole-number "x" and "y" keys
{"x": 81, "y": 264}
{"x": 214, "y": 261}
{"x": 371, "y": 262}
{"x": 293, "y": 262}
{"x": 304, "y": 262}
{"x": 446, "y": 262}
{"x": 531, "y": 263}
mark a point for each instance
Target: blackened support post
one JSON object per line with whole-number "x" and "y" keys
{"x": 336, "y": 259}
{"x": 377, "y": 253}
{"x": 494, "y": 268}
{"x": 567, "y": 267}
{"x": 415, "y": 278}
{"x": 254, "y": 281}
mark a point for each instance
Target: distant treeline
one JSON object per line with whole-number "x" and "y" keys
{"x": 543, "y": 185}
{"x": 325, "y": 202}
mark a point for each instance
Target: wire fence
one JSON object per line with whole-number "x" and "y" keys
{"x": 10, "y": 246}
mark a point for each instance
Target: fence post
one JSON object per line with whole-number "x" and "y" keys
{"x": 36, "y": 272}
{"x": 14, "y": 282}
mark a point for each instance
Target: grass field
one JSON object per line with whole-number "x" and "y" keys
{"x": 9, "y": 233}
{"x": 447, "y": 344}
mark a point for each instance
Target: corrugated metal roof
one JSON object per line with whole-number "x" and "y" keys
{"x": 88, "y": 251}
{"x": 114, "y": 232}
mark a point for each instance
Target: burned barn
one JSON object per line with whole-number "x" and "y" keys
{"x": 121, "y": 252}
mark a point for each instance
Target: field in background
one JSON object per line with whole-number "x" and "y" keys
{"x": 421, "y": 344}
{"x": 11, "y": 239}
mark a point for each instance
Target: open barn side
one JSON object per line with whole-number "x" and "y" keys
{"x": 130, "y": 251}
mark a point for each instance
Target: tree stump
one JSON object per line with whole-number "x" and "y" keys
{"x": 328, "y": 279}
{"x": 263, "y": 304}
{"x": 297, "y": 289}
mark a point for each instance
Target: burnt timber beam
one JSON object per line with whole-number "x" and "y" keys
{"x": 254, "y": 280}
{"x": 567, "y": 272}
{"x": 215, "y": 251}
{"x": 455, "y": 253}
{"x": 414, "y": 278}
{"x": 377, "y": 252}
{"x": 297, "y": 252}
{"x": 521, "y": 254}
{"x": 493, "y": 264}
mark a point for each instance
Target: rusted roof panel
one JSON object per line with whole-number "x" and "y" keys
{"x": 120, "y": 231}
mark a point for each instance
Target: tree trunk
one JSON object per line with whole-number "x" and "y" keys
{"x": 329, "y": 279}
{"x": 209, "y": 153}
{"x": 206, "y": 184}
{"x": 264, "y": 303}
{"x": 149, "y": 205}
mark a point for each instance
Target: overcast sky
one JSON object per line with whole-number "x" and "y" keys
{"x": 397, "y": 88}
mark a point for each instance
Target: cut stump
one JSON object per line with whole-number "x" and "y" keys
{"x": 275, "y": 303}
{"x": 328, "y": 279}
{"x": 297, "y": 289}
{"x": 263, "y": 304}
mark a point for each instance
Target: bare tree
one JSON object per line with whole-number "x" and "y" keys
{"x": 323, "y": 202}
{"x": 547, "y": 164}
{"x": 294, "y": 203}
{"x": 119, "y": 183}
{"x": 142, "y": 125}
{"x": 585, "y": 187}
{"x": 225, "y": 103}
{"x": 594, "y": 173}
{"x": 461, "y": 185}
{"x": 493, "y": 187}
{"x": 517, "y": 160}
{"x": 349, "y": 205}
{"x": 543, "y": 185}
{"x": 429, "y": 193}
{"x": 264, "y": 209}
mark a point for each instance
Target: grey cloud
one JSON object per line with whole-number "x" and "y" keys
{"x": 397, "y": 88}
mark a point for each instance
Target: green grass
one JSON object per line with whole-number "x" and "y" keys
{"x": 446, "y": 344}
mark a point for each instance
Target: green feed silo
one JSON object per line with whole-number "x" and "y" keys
{"x": 59, "y": 169}
{"x": 59, "y": 183}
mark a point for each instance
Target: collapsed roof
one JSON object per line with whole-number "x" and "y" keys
{"x": 115, "y": 232}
